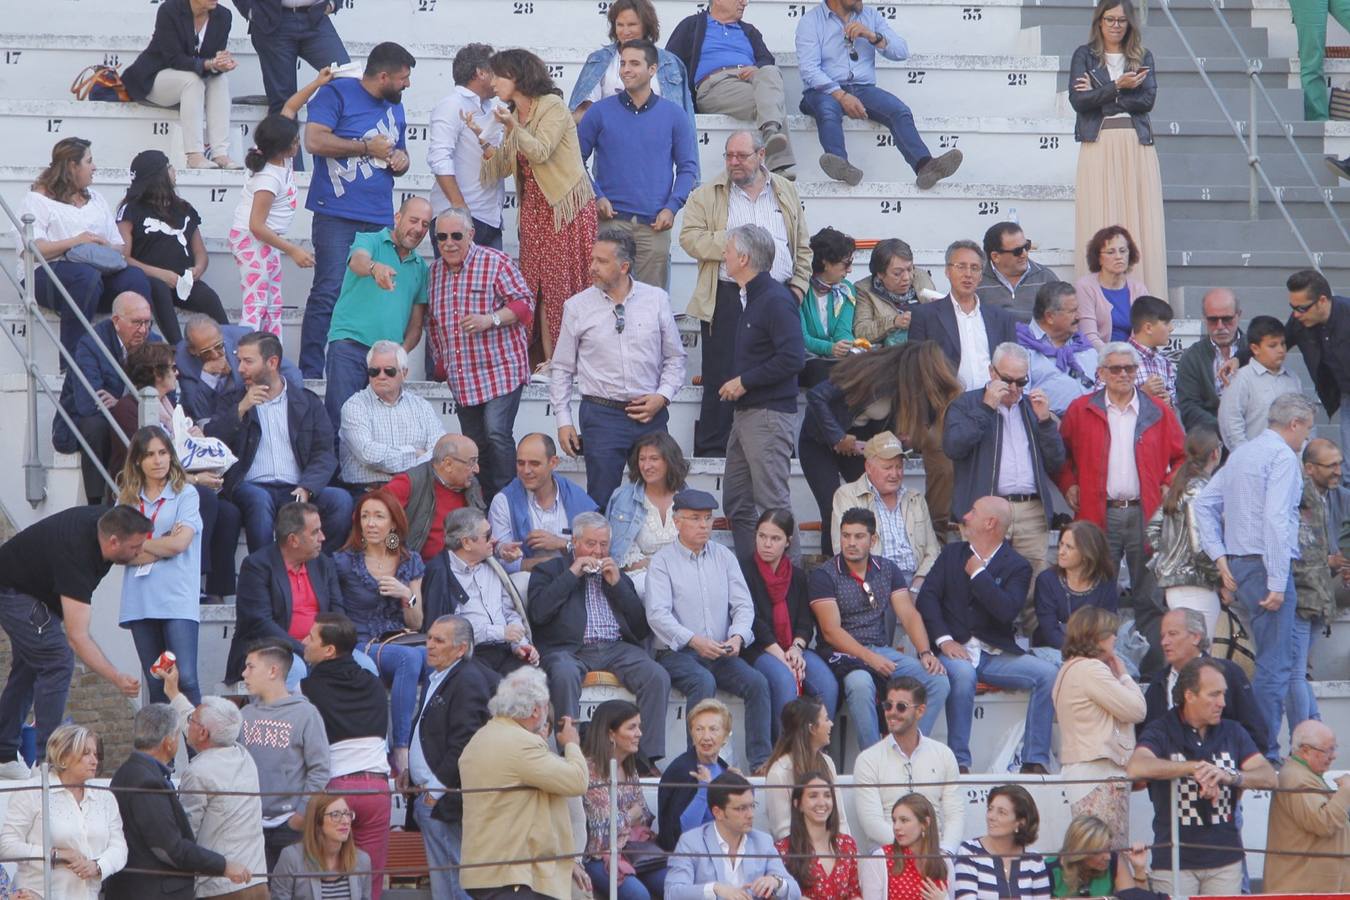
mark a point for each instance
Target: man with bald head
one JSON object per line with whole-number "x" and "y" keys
{"x": 383, "y": 298}
{"x": 1309, "y": 830}
{"x": 478, "y": 335}
{"x": 970, "y": 603}
{"x": 432, "y": 490}
{"x": 130, "y": 326}
{"x": 208, "y": 367}
{"x": 1205, "y": 370}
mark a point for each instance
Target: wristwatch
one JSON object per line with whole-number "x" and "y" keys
{"x": 496, "y": 320}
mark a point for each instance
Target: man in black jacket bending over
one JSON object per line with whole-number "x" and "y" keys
{"x": 157, "y": 830}
{"x": 586, "y": 615}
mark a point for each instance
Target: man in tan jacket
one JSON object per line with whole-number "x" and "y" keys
{"x": 748, "y": 195}
{"x": 518, "y": 824}
{"x": 1309, "y": 823}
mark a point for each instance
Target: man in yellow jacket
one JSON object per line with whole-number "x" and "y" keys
{"x": 1309, "y": 823}
{"x": 527, "y": 819}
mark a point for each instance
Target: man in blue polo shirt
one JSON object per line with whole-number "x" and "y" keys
{"x": 356, "y": 131}
{"x": 1212, "y": 759}
{"x": 639, "y": 125}
{"x": 384, "y": 298}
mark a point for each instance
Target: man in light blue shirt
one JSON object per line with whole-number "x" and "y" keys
{"x": 1063, "y": 364}
{"x": 1248, "y": 522}
{"x": 837, "y": 45}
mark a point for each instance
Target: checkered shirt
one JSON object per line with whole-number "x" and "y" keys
{"x": 600, "y": 622}
{"x": 895, "y": 544}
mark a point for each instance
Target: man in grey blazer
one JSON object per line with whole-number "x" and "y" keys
{"x": 727, "y": 854}
{"x": 966, "y": 329}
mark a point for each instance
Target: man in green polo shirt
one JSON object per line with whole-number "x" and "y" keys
{"x": 383, "y": 298}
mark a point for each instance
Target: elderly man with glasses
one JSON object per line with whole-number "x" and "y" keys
{"x": 1207, "y": 366}
{"x": 208, "y": 366}
{"x": 1308, "y": 828}
{"x": 480, "y": 311}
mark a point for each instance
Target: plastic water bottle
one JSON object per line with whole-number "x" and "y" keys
{"x": 1012, "y": 215}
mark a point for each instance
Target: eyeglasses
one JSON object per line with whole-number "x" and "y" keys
{"x": 1014, "y": 382}
{"x": 899, "y": 706}
{"x": 967, "y": 269}
{"x": 1327, "y": 751}
{"x": 443, "y": 236}
{"x": 618, "y": 318}
{"x": 1299, "y": 309}
{"x": 373, "y": 371}
{"x": 1115, "y": 21}
{"x": 138, "y": 324}
{"x": 739, "y": 157}
{"x": 339, "y": 815}
{"x": 1017, "y": 251}
{"x": 210, "y": 352}
{"x": 1220, "y": 320}
{"x": 1328, "y": 465}
{"x": 852, "y": 52}
{"x": 1128, "y": 369}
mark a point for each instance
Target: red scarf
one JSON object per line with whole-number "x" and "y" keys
{"x": 777, "y": 583}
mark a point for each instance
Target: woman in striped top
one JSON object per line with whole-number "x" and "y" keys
{"x": 998, "y": 864}
{"x": 327, "y": 846}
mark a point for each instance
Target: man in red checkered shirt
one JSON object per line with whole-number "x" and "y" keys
{"x": 479, "y": 315}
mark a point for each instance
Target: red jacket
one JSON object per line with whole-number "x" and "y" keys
{"x": 1159, "y": 449}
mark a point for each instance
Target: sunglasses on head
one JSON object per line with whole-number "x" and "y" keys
{"x": 443, "y": 236}
{"x": 389, "y": 371}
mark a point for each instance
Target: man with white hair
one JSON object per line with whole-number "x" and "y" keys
{"x": 526, "y": 817}
{"x": 1248, "y": 521}
{"x": 219, "y": 790}
{"x": 1309, "y": 829}
{"x": 1063, "y": 363}
{"x": 385, "y": 429}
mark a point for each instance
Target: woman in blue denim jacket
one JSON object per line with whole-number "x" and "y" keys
{"x": 640, "y": 516}
{"x": 630, "y": 20}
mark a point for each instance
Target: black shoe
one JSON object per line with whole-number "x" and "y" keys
{"x": 1340, "y": 167}
{"x": 964, "y": 770}
{"x": 1033, "y": 769}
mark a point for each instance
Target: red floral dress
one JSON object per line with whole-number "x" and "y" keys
{"x": 556, "y": 264}
{"x": 841, "y": 882}
{"x": 908, "y": 885}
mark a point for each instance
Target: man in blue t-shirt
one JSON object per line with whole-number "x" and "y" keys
{"x": 356, "y": 131}
{"x": 1211, "y": 759}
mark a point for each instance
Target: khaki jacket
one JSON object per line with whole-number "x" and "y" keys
{"x": 1097, "y": 712}
{"x": 704, "y": 237}
{"x": 918, "y": 525}
{"x": 874, "y": 318}
{"x": 1307, "y": 823}
{"x": 519, "y": 824}
{"x": 550, "y": 144}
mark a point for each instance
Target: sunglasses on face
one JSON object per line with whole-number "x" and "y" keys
{"x": 1018, "y": 251}
{"x": 373, "y": 371}
{"x": 1014, "y": 382}
{"x": 1128, "y": 369}
{"x": 443, "y": 236}
{"x": 1301, "y": 308}
{"x": 210, "y": 352}
{"x": 1220, "y": 320}
{"x": 899, "y": 706}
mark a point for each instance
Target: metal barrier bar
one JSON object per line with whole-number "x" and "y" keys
{"x": 34, "y": 473}
{"x": 613, "y": 829}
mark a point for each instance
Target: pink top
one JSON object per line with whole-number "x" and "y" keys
{"x": 1094, "y": 310}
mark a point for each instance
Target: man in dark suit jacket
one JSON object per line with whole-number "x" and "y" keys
{"x": 266, "y": 603}
{"x": 284, "y": 442}
{"x": 586, "y": 615}
{"x": 1197, "y": 395}
{"x": 1319, "y": 326}
{"x": 281, "y": 35}
{"x": 157, "y": 830}
{"x": 454, "y": 706}
{"x": 937, "y": 321}
{"x": 129, "y": 326}
{"x": 207, "y": 369}
{"x": 969, "y": 603}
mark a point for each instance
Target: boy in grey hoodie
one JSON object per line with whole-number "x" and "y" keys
{"x": 285, "y": 735}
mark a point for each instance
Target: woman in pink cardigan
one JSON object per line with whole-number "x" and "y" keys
{"x": 1107, "y": 292}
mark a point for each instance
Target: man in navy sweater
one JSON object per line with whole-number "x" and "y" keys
{"x": 770, "y": 352}
{"x": 638, "y": 125}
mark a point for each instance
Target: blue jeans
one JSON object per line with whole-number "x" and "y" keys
{"x": 345, "y": 371}
{"x": 179, "y": 636}
{"x": 39, "y": 671}
{"x": 860, "y": 693}
{"x": 1281, "y": 660}
{"x": 91, "y": 290}
{"x": 607, "y": 436}
{"x": 1303, "y": 703}
{"x": 819, "y": 682}
{"x": 401, "y": 669}
{"x": 634, "y": 887}
{"x": 491, "y": 425}
{"x": 1024, "y": 672}
{"x": 258, "y": 504}
{"x": 332, "y": 238}
{"x": 882, "y": 107}
{"x": 443, "y": 841}
{"x": 698, "y": 679}
{"x": 307, "y": 36}
{"x": 300, "y": 671}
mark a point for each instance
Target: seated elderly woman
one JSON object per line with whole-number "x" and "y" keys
{"x": 680, "y": 806}
{"x": 827, "y": 308}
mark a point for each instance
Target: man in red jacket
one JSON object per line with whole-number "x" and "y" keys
{"x": 1121, "y": 447}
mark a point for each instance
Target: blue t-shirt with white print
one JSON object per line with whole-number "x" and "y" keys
{"x": 355, "y": 187}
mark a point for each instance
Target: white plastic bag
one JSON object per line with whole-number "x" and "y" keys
{"x": 198, "y": 454}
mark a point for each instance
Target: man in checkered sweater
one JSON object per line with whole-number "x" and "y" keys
{"x": 1212, "y": 759}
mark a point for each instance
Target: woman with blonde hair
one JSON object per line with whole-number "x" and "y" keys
{"x": 86, "y": 827}
{"x": 1097, "y": 704}
{"x": 914, "y": 868}
{"x": 682, "y": 796}
{"x": 327, "y": 846}
{"x": 1085, "y": 865}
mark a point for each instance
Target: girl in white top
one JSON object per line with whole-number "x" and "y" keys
{"x": 265, "y": 211}
{"x": 86, "y": 826}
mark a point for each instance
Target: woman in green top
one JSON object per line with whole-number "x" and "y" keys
{"x": 827, "y": 308}
{"x": 1088, "y": 867}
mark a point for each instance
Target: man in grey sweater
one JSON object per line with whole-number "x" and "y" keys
{"x": 285, "y": 735}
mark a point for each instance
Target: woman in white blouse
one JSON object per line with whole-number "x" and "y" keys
{"x": 87, "y": 841}
{"x": 639, "y": 512}
{"x": 68, "y": 215}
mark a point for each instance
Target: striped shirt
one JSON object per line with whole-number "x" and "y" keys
{"x": 762, "y": 211}
{"x": 980, "y": 876}
{"x": 381, "y": 440}
{"x": 274, "y": 463}
{"x": 336, "y": 889}
{"x": 479, "y": 366}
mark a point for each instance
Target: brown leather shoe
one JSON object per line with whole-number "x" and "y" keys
{"x": 1033, "y": 769}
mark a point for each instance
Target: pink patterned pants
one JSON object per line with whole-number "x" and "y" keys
{"x": 260, "y": 281}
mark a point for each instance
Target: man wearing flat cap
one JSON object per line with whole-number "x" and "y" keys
{"x": 700, "y": 610}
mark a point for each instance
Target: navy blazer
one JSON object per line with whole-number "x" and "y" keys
{"x": 264, "y": 16}
{"x": 936, "y": 321}
{"x": 445, "y": 722}
{"x": 557, "y": 607}
{"x": 1239, "y": 705}
{"x": 984, "y": 607}
{"x": 198, "y": 400}
{"x": 311, "y": 436}
{"x": 103, "y": 375}
{"x": 262, "y": 606}
{"x": 174, "y": 45}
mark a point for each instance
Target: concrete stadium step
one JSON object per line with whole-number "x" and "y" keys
{"x": 1231, "y": 167}
{"x": 1242, "y": 234}
{"x": 1206, "y": 40}
{"x": 1190, "y": 13}
{"x": 1259, "y": 268}
{"x": 953, "y": 83}
{"x": 1197, "y": 102}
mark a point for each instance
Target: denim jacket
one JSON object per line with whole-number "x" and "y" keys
{"x": 670, "y": 75}
{"x": 1104, "y": 99}
{"x": 626, "y": 514}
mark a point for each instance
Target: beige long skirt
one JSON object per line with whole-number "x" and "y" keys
{"x": 1119, "y": 183}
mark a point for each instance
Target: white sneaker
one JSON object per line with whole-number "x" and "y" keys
{"x": 15, "y": 770}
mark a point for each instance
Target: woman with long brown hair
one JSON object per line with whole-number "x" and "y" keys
{"x": 914, "y": 869}
{"x": 327, "y": 846}
{"x": 904, "y": 388}
{"x": 820, "y": 858}
{"x": 800, "y": 749}
{"x": 1083, "y": 575}
{"x": 556, "y": 201}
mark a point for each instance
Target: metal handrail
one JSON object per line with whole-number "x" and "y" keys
{"x": 1258, "y": 172}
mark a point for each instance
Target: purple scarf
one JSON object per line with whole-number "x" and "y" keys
{"x": 1064, "y": 357}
